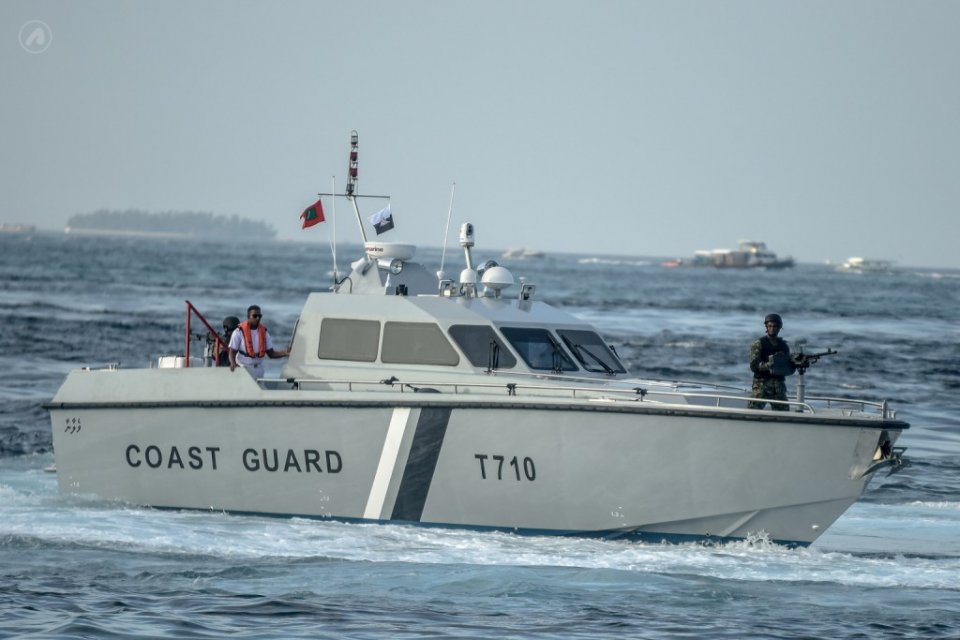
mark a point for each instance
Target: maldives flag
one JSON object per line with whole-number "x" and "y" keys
{"x": 312, "y": 215}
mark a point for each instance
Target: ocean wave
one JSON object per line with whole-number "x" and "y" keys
{"x": 949, "y": 506}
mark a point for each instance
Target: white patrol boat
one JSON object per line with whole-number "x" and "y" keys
{"x": 409, "y": 398}
{"x": 860, "y": 265}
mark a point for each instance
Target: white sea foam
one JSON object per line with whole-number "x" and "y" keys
{"x": 951, "y": 506}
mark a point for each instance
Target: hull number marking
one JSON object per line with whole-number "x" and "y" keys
{"x": 492, "y": 466}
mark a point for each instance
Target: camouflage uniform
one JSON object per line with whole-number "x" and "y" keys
{"x": 765, "y": 384}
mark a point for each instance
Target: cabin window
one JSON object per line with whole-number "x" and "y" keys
{"x": 483, "y": 346}
{"x": 344, "y": 339}
{"x": 591, "y": 351}
{"x": 417, "y": 343}
{"x": 538, "y": 349}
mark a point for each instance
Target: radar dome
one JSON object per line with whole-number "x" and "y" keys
{"x": 497, "y": 278}
{"x": 468, "y": 276}
{"x": 390, "y": 250}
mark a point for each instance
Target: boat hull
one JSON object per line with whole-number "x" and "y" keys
{"x": 530, "y": 465}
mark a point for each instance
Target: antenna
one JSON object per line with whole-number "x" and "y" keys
{"x": 446, "y": 233}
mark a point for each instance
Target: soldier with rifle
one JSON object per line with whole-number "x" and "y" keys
{"x": 771, "y": 362}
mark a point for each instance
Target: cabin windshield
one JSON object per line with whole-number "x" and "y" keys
{"x": 591, "y": 351}
{"x": 482, "y": 346}
{"x": 538, "y": 349}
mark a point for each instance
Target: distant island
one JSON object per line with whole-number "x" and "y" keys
{"x": 170, "y": 224}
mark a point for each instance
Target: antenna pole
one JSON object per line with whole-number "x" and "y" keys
{"x": 333, "y": 241}
{"x": 352, "y": 181}
{"x": 446, "y": 233}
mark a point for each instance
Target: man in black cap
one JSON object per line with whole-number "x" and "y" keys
{"x": 770, "y": 363}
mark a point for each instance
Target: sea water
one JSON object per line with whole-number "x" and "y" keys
{"x": 77, "y": 567}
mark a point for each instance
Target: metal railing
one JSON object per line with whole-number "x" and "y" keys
{"x": 574, "y": 392}
{"x": 220, "y": 344}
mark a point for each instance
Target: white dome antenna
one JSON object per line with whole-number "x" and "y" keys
{"x": 468, "y": 282}
{"x": 497, "y": 279}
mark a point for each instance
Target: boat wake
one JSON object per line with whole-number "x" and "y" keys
{"x": 35, "y": 517}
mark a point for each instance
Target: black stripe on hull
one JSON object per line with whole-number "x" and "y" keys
{"x": 421, "y": 464}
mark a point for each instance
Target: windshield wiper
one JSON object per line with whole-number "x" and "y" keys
{"x": 579, "y": 350}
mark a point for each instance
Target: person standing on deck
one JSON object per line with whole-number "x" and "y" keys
{"x": 250, "y": 342}
{"x": 230, "y": 324}
{"x": 770, "y": 363}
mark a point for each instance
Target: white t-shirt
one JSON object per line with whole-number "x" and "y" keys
{"x": 236, "y": 342}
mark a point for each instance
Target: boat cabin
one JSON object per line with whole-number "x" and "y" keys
{"x": 392, "y": 315}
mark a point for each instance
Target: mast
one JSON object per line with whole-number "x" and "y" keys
{"x": 352, "y": 181}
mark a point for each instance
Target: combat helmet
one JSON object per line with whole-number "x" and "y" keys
{"x": 775, "y": 318}
{"x": 230, "y": 323}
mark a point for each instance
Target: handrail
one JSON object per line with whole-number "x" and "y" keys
{"x": 220, "y": 343}
{"x": 881, "y": 406}
{"x": 633, "y": 395}
{"x": 616, "y": 380}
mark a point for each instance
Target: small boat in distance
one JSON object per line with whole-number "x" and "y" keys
{"x": 749, "y": 254}
{"x": 863, "y": 265}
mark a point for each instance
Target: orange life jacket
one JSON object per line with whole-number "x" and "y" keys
{"x": 248, "y": 340}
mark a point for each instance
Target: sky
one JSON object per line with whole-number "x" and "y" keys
{"x": 827, "y": 129}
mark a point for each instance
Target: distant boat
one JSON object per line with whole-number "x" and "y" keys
{"x": 522, "y": 254}
{"x": 863, "y": 265}
{"x": 749, "y": 254}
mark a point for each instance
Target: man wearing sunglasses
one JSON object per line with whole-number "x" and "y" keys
{"x": 250, "y": 343}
